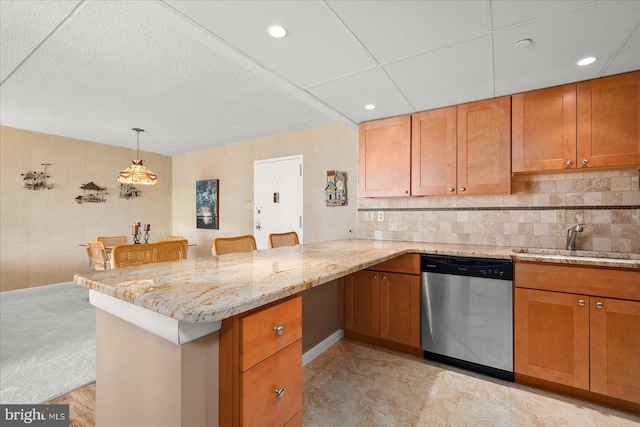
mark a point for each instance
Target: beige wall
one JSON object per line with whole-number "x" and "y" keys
{"x": 40, "y": 230}
{"x": 606, "y": 200}
{"x": 330, "y": 147}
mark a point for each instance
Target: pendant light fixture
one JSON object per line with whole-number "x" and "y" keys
{"x": 137, "y": 173}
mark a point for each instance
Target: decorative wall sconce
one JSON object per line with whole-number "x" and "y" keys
{"x": 336, "y": 189}
{"x": 129, "y": 191}
{"x": 37, "y": 180}
{"x": 92, "y": 193}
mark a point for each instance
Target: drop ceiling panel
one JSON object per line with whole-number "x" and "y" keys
{"x": 391, "y": 30}
{"x": 350, "y": 94}
{"x": 146, "y": 76}
{"x": 559, "y": 42}
{"x": 628, "y": 58}
{"x": 510, "y": 12}
{"x": 458, "y": 74}
{"x": 317, "y": 48}
{"x": 23, "y": 28}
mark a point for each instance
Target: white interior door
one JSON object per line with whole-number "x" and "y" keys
{"x": 277, "y": 198}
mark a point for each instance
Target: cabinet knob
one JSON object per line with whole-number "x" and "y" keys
{"x": 599, "y": 305}
{"x": 279, "y": 393}
{"x": 461, "y": 189}
{"x": 384, "y": 277}
{"x": 581, "y": 302}
{"x": 451, "y": 189}
{"x": 279, "y": 330}
{"x": 569, "y": 162}
{"x": 375, "y": 276}
{"x": 406, "y": 191}
{"x": 585, "y": 161}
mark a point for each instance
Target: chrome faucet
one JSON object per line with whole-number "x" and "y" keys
{"x": 571, "y": 236}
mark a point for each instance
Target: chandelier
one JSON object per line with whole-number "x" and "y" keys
{"x": 137, "y": 173}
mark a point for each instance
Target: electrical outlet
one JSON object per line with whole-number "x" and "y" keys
{"x": 380, "y": 215}
{"x": 560, "y": 217}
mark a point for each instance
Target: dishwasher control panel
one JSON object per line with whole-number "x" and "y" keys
{"x": 501, "y": 269}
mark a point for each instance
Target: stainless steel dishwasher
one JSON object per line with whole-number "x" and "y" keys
{"x": 467, "y": 313}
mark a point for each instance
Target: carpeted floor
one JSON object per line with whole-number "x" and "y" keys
{"x": 47, "y": 342}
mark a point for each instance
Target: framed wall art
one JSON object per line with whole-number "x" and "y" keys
{"x": 207, "y": 204}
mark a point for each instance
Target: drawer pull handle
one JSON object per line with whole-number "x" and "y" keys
{"x": 599, "y": 305}
{"x": 581, "y": 302}
{"x": 279, "y": 330}
{"x": 279, "y": 393}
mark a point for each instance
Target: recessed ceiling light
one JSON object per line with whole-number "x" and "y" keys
{"x": 523, "y": 43}
{"x": 277, "y": 31}
{"x": 370, "y": 107}
{"x": 586, "y": 61}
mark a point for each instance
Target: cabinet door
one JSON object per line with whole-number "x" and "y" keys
{"x": 385, "y": 158}
{"x": 362, "y": 302}
{"x": 615, "y": 348}
{"x": 544, "y": 129}
{"x": 434, "y": 152}
{"x": 400, "y": 308}
{"x": 484, "y": 147}
{"x": 552, "y": 336}
{"x": 608, "y": 125}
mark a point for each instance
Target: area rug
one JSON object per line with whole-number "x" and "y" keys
{"x": 47, "y": 342}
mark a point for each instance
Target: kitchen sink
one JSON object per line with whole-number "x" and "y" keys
{"x": 583, "y": 254}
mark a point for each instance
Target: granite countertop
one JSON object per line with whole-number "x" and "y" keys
{"x": 214, "y": 288}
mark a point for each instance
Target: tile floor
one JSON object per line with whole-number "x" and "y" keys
{"x": 356, "y": 384}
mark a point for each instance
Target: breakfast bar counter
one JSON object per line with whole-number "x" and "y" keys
{"x": 170, "y": 340}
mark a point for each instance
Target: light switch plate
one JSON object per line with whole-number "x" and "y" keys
{"x": 561, "y": 216}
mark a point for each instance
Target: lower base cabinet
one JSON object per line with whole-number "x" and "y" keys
{"x": 261, "y": 367}
{"x": 383, "y": 302}
{"x": 580, "y": 338}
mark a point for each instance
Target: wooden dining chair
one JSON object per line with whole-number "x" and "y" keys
{"x": 277, "y": 240}
{"x": 174, "y": 238}
{"x": 98, "y": 255}
{"x": 112, "y": 240}
{"x": 227, "y": 245}
{"x": 127, "y": 255}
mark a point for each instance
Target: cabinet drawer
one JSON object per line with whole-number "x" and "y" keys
{"x": 259, "y": 338}
{"x": 407, "y": 263}
{"x": 605, "y": 282}
{"x": 260, "y": 404}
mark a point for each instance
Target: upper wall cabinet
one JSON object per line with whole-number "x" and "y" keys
{"x": 385, "y": 158}
{"x": 609, "y": 121}
{"x": 434, "y": 146}
{"x": 462, "y": 150}
{"x": 484, "y": 147}
{"x": 589, "y": 124}
{"x": 544, "y": 129}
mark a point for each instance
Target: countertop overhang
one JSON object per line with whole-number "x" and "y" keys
{"x": 211, "y": 289}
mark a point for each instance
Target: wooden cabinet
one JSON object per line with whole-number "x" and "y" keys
{"x": 615, "y": 348}
{"x": 434, "y": 148}
{"x": 484, "y": 147}
{"x": 544, "y": 129}
{"x": 570, "y": 330}
{"x": 462, "y": 150}
{"x": 261, "y": 366}
{"x": 382, "y": 303}
{"x": 385, "y": 158}
{"x": 552, "y": 336}
{"x": 609, "y": 121}
{"x": 590, "y": 124}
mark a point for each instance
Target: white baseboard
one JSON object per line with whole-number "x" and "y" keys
{"x": 321, "y": 347}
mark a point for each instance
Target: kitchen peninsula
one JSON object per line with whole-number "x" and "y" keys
{"x": 170, "y": 369}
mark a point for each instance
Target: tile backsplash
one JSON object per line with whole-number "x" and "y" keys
{"x": 607, "y": 201}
